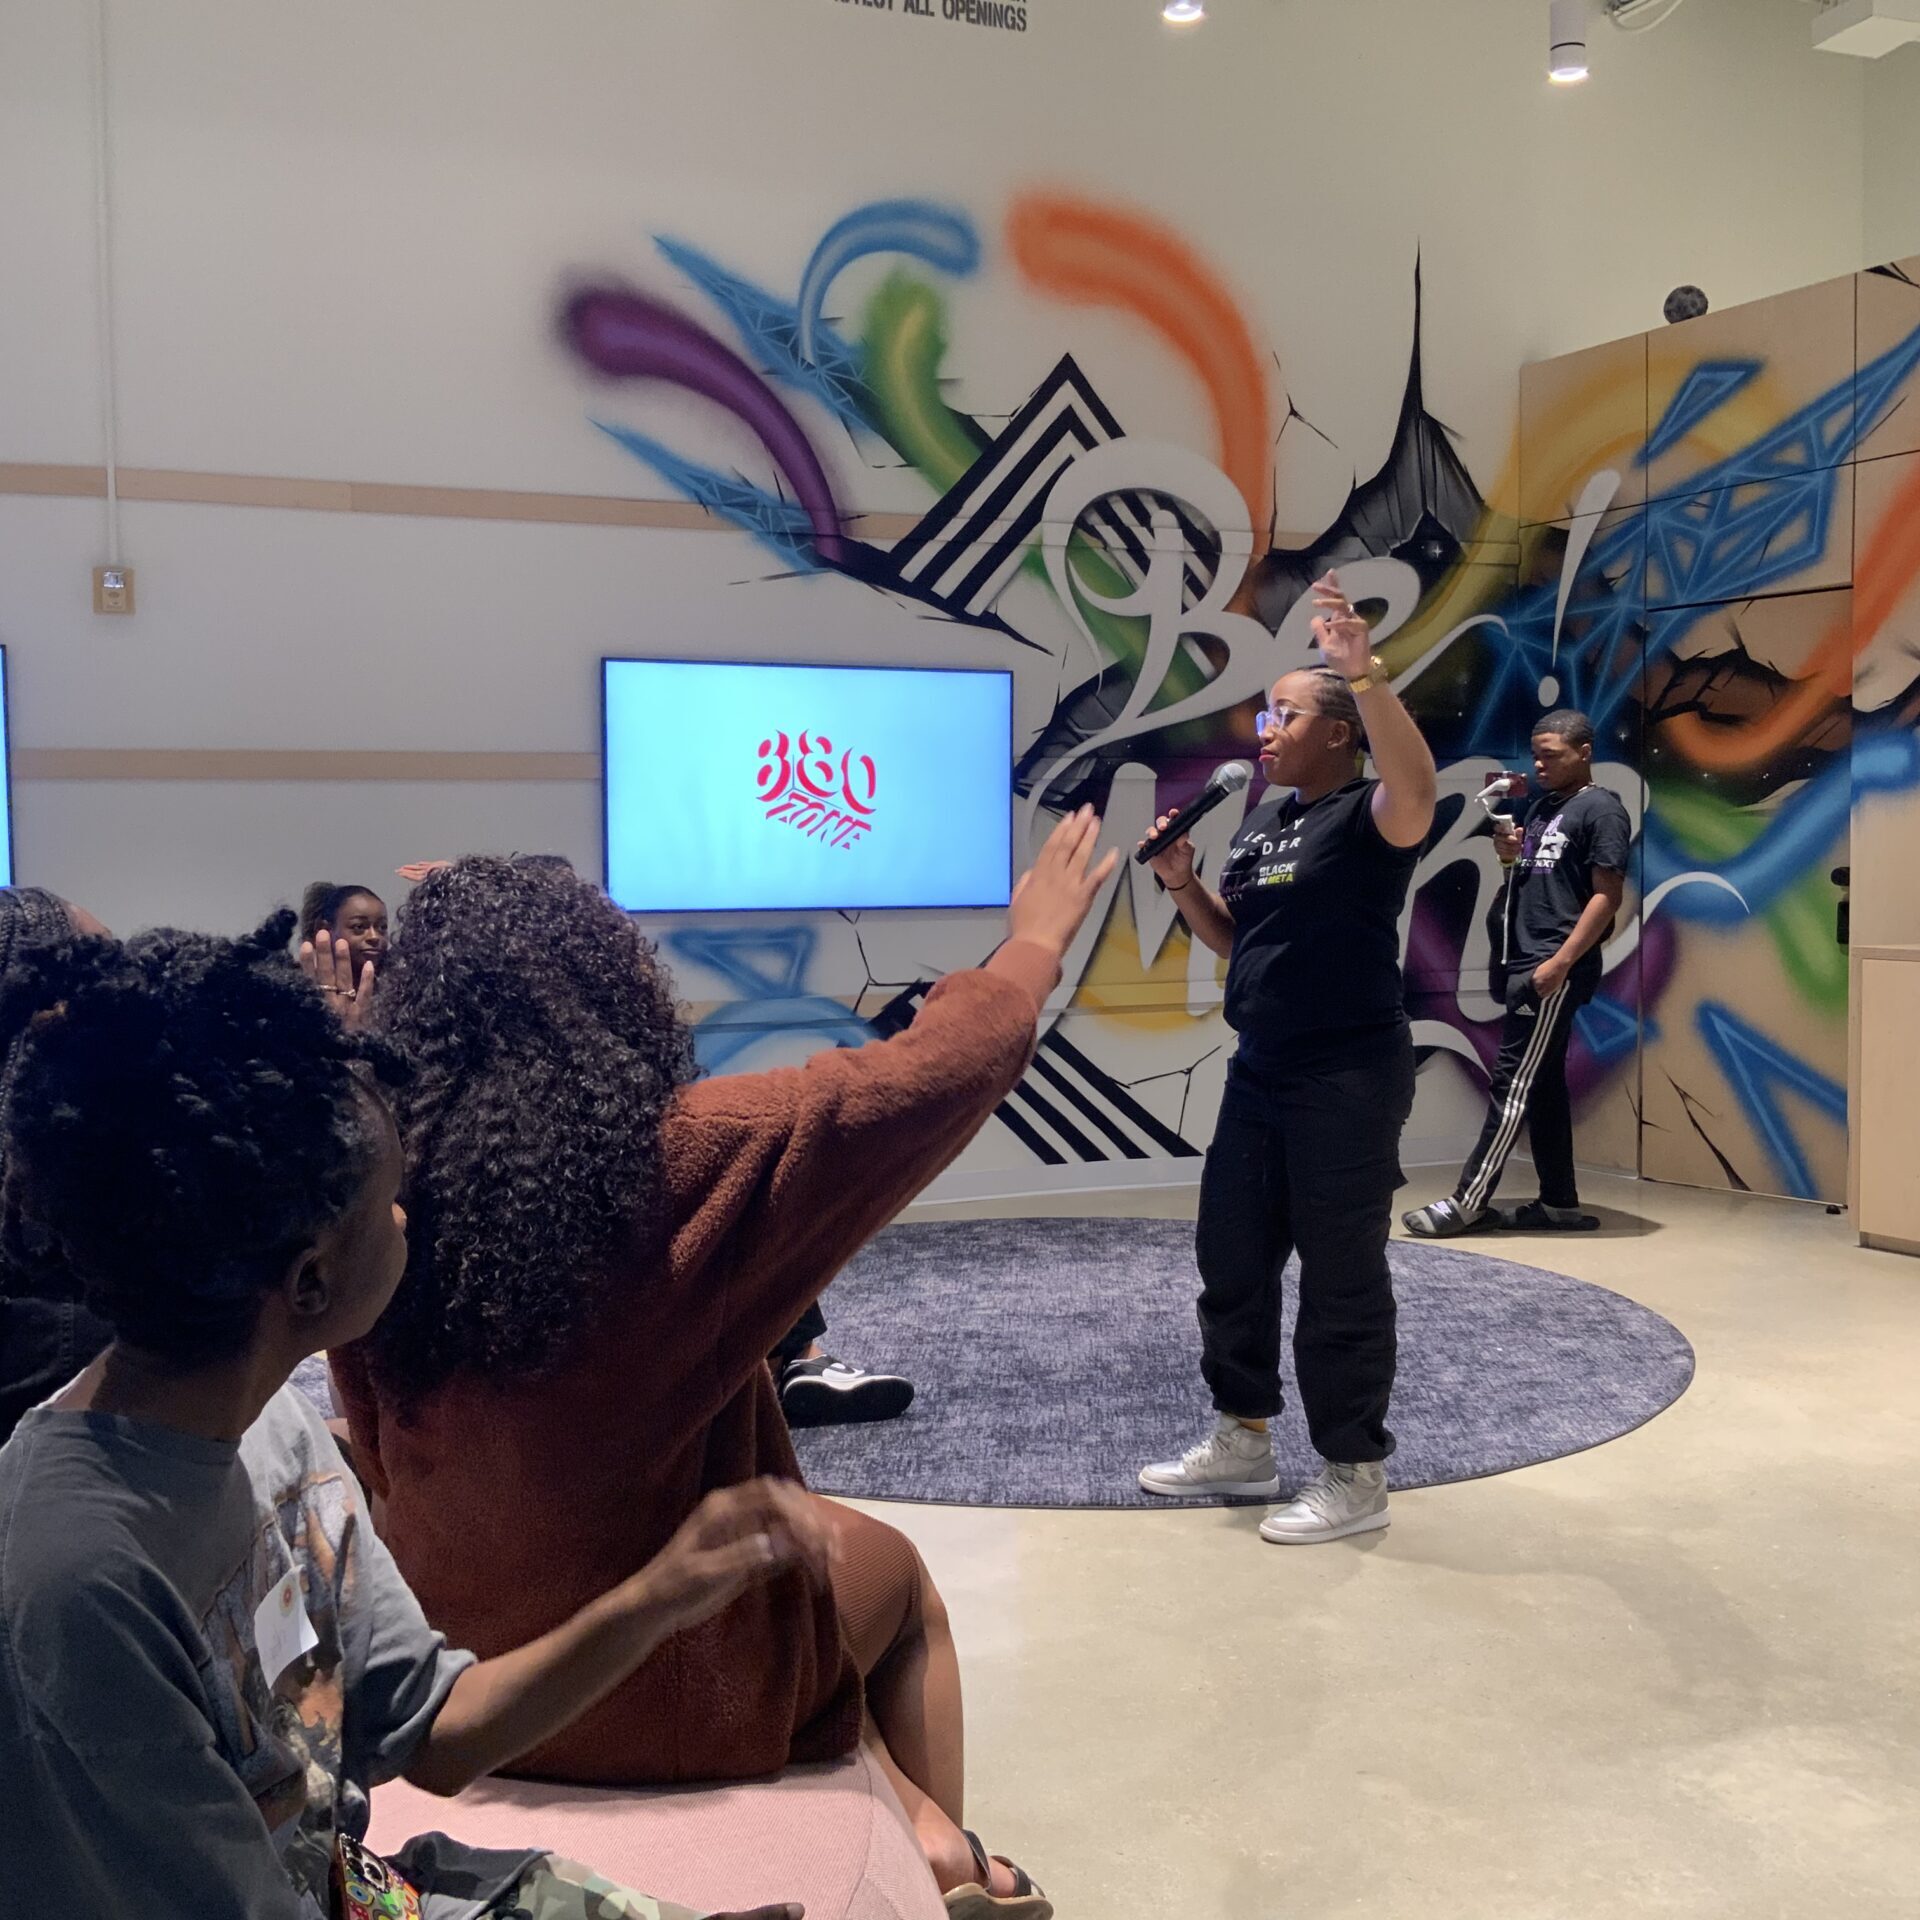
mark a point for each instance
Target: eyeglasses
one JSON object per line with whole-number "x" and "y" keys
{"x": 1279, "y": 718}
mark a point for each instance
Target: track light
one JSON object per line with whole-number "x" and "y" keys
{"x": 1183, "y": 13}
{"x": 1567, "y": 42}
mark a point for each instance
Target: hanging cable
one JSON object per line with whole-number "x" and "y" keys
{"x": 1642, "y": 16}
{"x": 103, "y": 280}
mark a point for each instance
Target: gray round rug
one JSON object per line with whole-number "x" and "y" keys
{"x": 1054, "y": 1358}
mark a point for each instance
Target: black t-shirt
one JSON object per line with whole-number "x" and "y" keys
{"x": 1563, "y": 841}
{"x": 1316, "y": 896}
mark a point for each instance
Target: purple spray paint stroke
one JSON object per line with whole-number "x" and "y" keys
{"x": 1431, "y": 956}
{"x": 1640, "y": 978}
{"x": 627, "y": 336}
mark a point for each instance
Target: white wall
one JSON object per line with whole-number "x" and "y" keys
{"x": 1718, "y": 149}
{"x": 340, "y": 235}
{"x": 341, "y": 230}
{"x": 1893, "y": 156}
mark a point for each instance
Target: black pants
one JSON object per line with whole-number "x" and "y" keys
{"x": 1307, "y": 1160}
{"x": 804, "y": 1332}
{"x": 1530, "y": 1085}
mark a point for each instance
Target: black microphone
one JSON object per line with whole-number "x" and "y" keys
{"x": 1231, "y": 778}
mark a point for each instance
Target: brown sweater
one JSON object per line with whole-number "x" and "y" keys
{"x": 511, "y": 1504}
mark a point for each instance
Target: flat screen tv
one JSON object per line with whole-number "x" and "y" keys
{"x": 6, "y": 780}
{"x": 767, "y": 788}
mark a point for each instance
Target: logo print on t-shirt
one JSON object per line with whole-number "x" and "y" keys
{"x": 1255, "y": 862}
{"x": 1546, "y": 851}
{"x": 802, "y": 783}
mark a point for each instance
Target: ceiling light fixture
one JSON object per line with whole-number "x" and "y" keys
{"x": 1183, "y": 13}
{"x": 1868, "y": 27}
{"x": 1567, "y": 42}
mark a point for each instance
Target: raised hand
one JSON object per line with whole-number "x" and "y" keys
{"x": 328, "y": 963}
{"x": 1344, "y": 639}
{"x": 734, "y": 1539}
{"x": 417, "y": 870}
{"x": 1174, "y": 862}
{"x": 1057, "y": 892}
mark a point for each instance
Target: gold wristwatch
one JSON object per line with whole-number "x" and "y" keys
{"x": 1375, "y": 675}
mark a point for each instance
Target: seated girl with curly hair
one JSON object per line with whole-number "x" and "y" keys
{"x": 603, "y": 1253}
{"x": 209, "y": 1659}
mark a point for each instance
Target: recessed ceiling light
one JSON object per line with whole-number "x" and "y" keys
{"x": 1183, "y": 13}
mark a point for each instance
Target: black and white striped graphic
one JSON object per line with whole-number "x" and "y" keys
{"x": 967, "y": 547}
{"x": 1066, "y": 1109}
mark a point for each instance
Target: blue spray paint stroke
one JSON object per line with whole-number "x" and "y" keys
{"x": 1751, "y": 520}
{"x": 1702, "y": 394}
{"x": 768, "y": 968}
{"x": 1825, "y": 432}
{"x": 1806, "y": 826}
{"x": 770, "y": 329}
{"x": 758, "y": 961}
{"x": 1754, "y": 1065}
{"x": 729, "y": 1031}
{"x": 779, "y": 524}
{"x": 1611, "y": 1031}
{"x": 941, "y": 236}
{"x": 1697, "y": 542}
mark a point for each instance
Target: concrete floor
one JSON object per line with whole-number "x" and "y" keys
{"x": 1674, "y": 1675}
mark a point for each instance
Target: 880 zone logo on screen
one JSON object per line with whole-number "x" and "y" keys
{"x": 802, "y": 783}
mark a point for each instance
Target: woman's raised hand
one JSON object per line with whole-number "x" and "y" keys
{"x": 1057, "y": 892}
{"x": 1344, "y": 639}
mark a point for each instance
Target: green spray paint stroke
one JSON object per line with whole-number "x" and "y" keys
{"x": 1801, "y": 920}
{"x": 905, "y": 345}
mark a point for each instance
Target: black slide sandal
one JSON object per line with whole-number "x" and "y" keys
{"x": 1533, "y": 1217}
{"x": 1443, "y": 1220}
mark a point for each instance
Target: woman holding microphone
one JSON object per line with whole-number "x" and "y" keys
{"x": 1306, "y": 1153}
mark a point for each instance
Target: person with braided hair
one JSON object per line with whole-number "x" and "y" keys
{"x": 210, "y": 1659}
{"x": 31, "y": 916}
{"x": 1306, "y": 1150}
{"x": 46, "y": 1336}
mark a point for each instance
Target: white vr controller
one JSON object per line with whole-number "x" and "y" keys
{"x": 1502, "y": 786}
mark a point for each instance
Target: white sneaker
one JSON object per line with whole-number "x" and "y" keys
{"x": 1231, "y": 1459}
{"x": 1338, "y": 1501}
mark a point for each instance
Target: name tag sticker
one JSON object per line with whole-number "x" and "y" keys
{"x": 282, "y": 1633}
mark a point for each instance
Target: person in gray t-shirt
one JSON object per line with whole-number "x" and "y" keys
{"x": 207, "y": 1658}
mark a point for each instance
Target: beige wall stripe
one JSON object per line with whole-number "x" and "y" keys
{"x": 270, "y": 763}
{"x": 370, "y": 496}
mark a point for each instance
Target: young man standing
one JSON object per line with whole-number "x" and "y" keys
{"x": 1566, "y": 862}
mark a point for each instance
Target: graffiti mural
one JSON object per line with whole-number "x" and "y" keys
{"x": 1669, "y": 544}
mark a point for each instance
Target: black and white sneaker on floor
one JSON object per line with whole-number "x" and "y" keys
{"x": 830, "y": 1393}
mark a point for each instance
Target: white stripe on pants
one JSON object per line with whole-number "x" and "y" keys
{"x": 1486, "y": 1176}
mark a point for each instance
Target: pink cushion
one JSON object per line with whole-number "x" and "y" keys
{"x": 833, "y": 1838}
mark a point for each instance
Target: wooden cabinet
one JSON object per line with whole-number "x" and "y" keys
{"x": 1885, "y": 1096}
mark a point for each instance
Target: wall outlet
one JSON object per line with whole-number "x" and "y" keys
{"x": 113, "y": 589}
